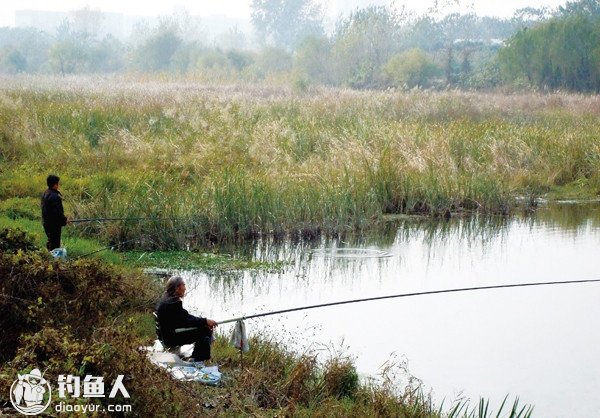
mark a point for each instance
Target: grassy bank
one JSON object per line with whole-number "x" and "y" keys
{"x": 87, "y": 317}
{"x": 236, "y": 161}
{"x": 209, "y": 260}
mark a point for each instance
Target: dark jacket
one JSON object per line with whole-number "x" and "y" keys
{"x": 53, "y": 213}
{"x": 171, "y": 316}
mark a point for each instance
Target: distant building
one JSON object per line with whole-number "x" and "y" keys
{"x": 120, "y": 25}
{"x": 43, "y": 20}
{"x": 117, "y": 24}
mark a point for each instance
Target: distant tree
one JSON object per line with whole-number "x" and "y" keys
{"x": 12, "y": 61}
{"x": 233, "y": 38}
{"x": 450, "y": 66}
{"x": 590, "y": 8}
{"x": 487, "y": 76}
{"x": 466, "y": 66}
{"x": 213, "y": 59}
{"x": 157, "y": 50}
{"x": 563, "y": 52}
{"x": 285, "y": 23}
{"x": 23, "y": 49}
{"x": 411, "y": 68}
{"x": 16, "y": 61}
{"x": 363, "y": 43}
{"x": 532, "y": 14}
{"x": 424, "y": 33}
{"x": 239, "y": 59}
{"x": 86, "y": 22}
{"x": 67, "y": 57}
{"x": 271, "y": 61}
{"x": 106, "y": 56}
{"x": 312, "y": 59}
{"x": 77, "y": 48}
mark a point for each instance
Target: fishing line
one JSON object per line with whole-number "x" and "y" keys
{"x": 82, "y": 220}
{"x": 110, "y": 247}
{"x": 404, "y": 295}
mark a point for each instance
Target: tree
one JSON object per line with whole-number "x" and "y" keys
{"x": 532, "y": 14}
{"x": 12, "y": 61}
{"x": 66, "y": 57}
{"x": 239, "y": 59}
{"x": 271, "y": 61}
{"x": 233, "y": 38}
{"x": 363, "y": 43}
{"x": 157, "y": 50}
{"x": 590, "y": 8}
{"x": 411, "y": 68}
{"x": 106, "y": 56}
{"x": 86, "y": 22}
{"x": 285, "y": 23}
{"x": 23, "y": 49}
{"x": 313, "y": 59}
{"x": 563, "y": 52}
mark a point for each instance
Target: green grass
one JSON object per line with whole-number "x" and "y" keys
{"x": 228, "y": 164}
{"x": 75, "y": 246}
{"x": 187, "y": 260}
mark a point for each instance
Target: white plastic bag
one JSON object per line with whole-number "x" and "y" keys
{"x": 59, "y": 253}
{"x": 238, "y": 337}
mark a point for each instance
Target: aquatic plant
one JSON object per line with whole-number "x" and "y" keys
{"x": 224, "y": 163}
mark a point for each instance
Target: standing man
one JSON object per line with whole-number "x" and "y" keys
{"x": 53, "y": 214}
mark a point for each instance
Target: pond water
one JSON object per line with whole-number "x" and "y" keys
{"x": 538, "y": 343}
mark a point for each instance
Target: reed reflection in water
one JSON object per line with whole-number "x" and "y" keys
{"x": 533, "y": 342}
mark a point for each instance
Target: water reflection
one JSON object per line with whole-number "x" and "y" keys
{"x": 489, "y": 343}
{"x": 458, "y": 246}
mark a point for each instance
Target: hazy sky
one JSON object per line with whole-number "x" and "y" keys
{"x": 240, "y": 8}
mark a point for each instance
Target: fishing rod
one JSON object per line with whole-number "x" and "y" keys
{"x": 82, "y": 220}
{"x": 404, "y": 295}
{"x": 119, "y": 244}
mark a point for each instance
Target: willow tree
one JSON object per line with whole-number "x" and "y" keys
{"x": 285, "y": 23}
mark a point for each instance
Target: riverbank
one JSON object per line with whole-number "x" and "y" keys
{"x": 214, "y": 164}
{"x": 87, "y": 317}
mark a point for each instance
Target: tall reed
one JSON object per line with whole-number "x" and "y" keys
{"x": 236, "y": 161}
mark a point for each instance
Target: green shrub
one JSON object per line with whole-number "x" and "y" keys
{"x": 340, "y": 378}
{"x": 17, "y": 207}
{"x": 13, "y": 240}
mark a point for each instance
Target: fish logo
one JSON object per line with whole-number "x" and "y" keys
{"x": 30, "y": 394}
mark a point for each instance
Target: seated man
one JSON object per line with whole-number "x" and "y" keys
{"x": 178, "y": 327}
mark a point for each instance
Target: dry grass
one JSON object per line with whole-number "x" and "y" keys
{"x": 239, "y": 160}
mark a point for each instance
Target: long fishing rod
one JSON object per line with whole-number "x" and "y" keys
{"x": 119, "y": 244}
{"x": 404, "y": 295}
{"x": 123, "y": 219}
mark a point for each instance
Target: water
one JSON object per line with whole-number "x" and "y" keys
{"x": 540, "y": 343}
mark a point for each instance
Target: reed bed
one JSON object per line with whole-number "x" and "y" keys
{"x": 236, "y": 161}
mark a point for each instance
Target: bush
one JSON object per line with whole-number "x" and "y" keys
{"x": 411, "y": 69}
{"x": 16, "y": 207}
{"x": 340, "y": 378}
{"x": 35, "y": 288}
{"x": 71, "y": 318}
{"x": 14, "y": 239}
